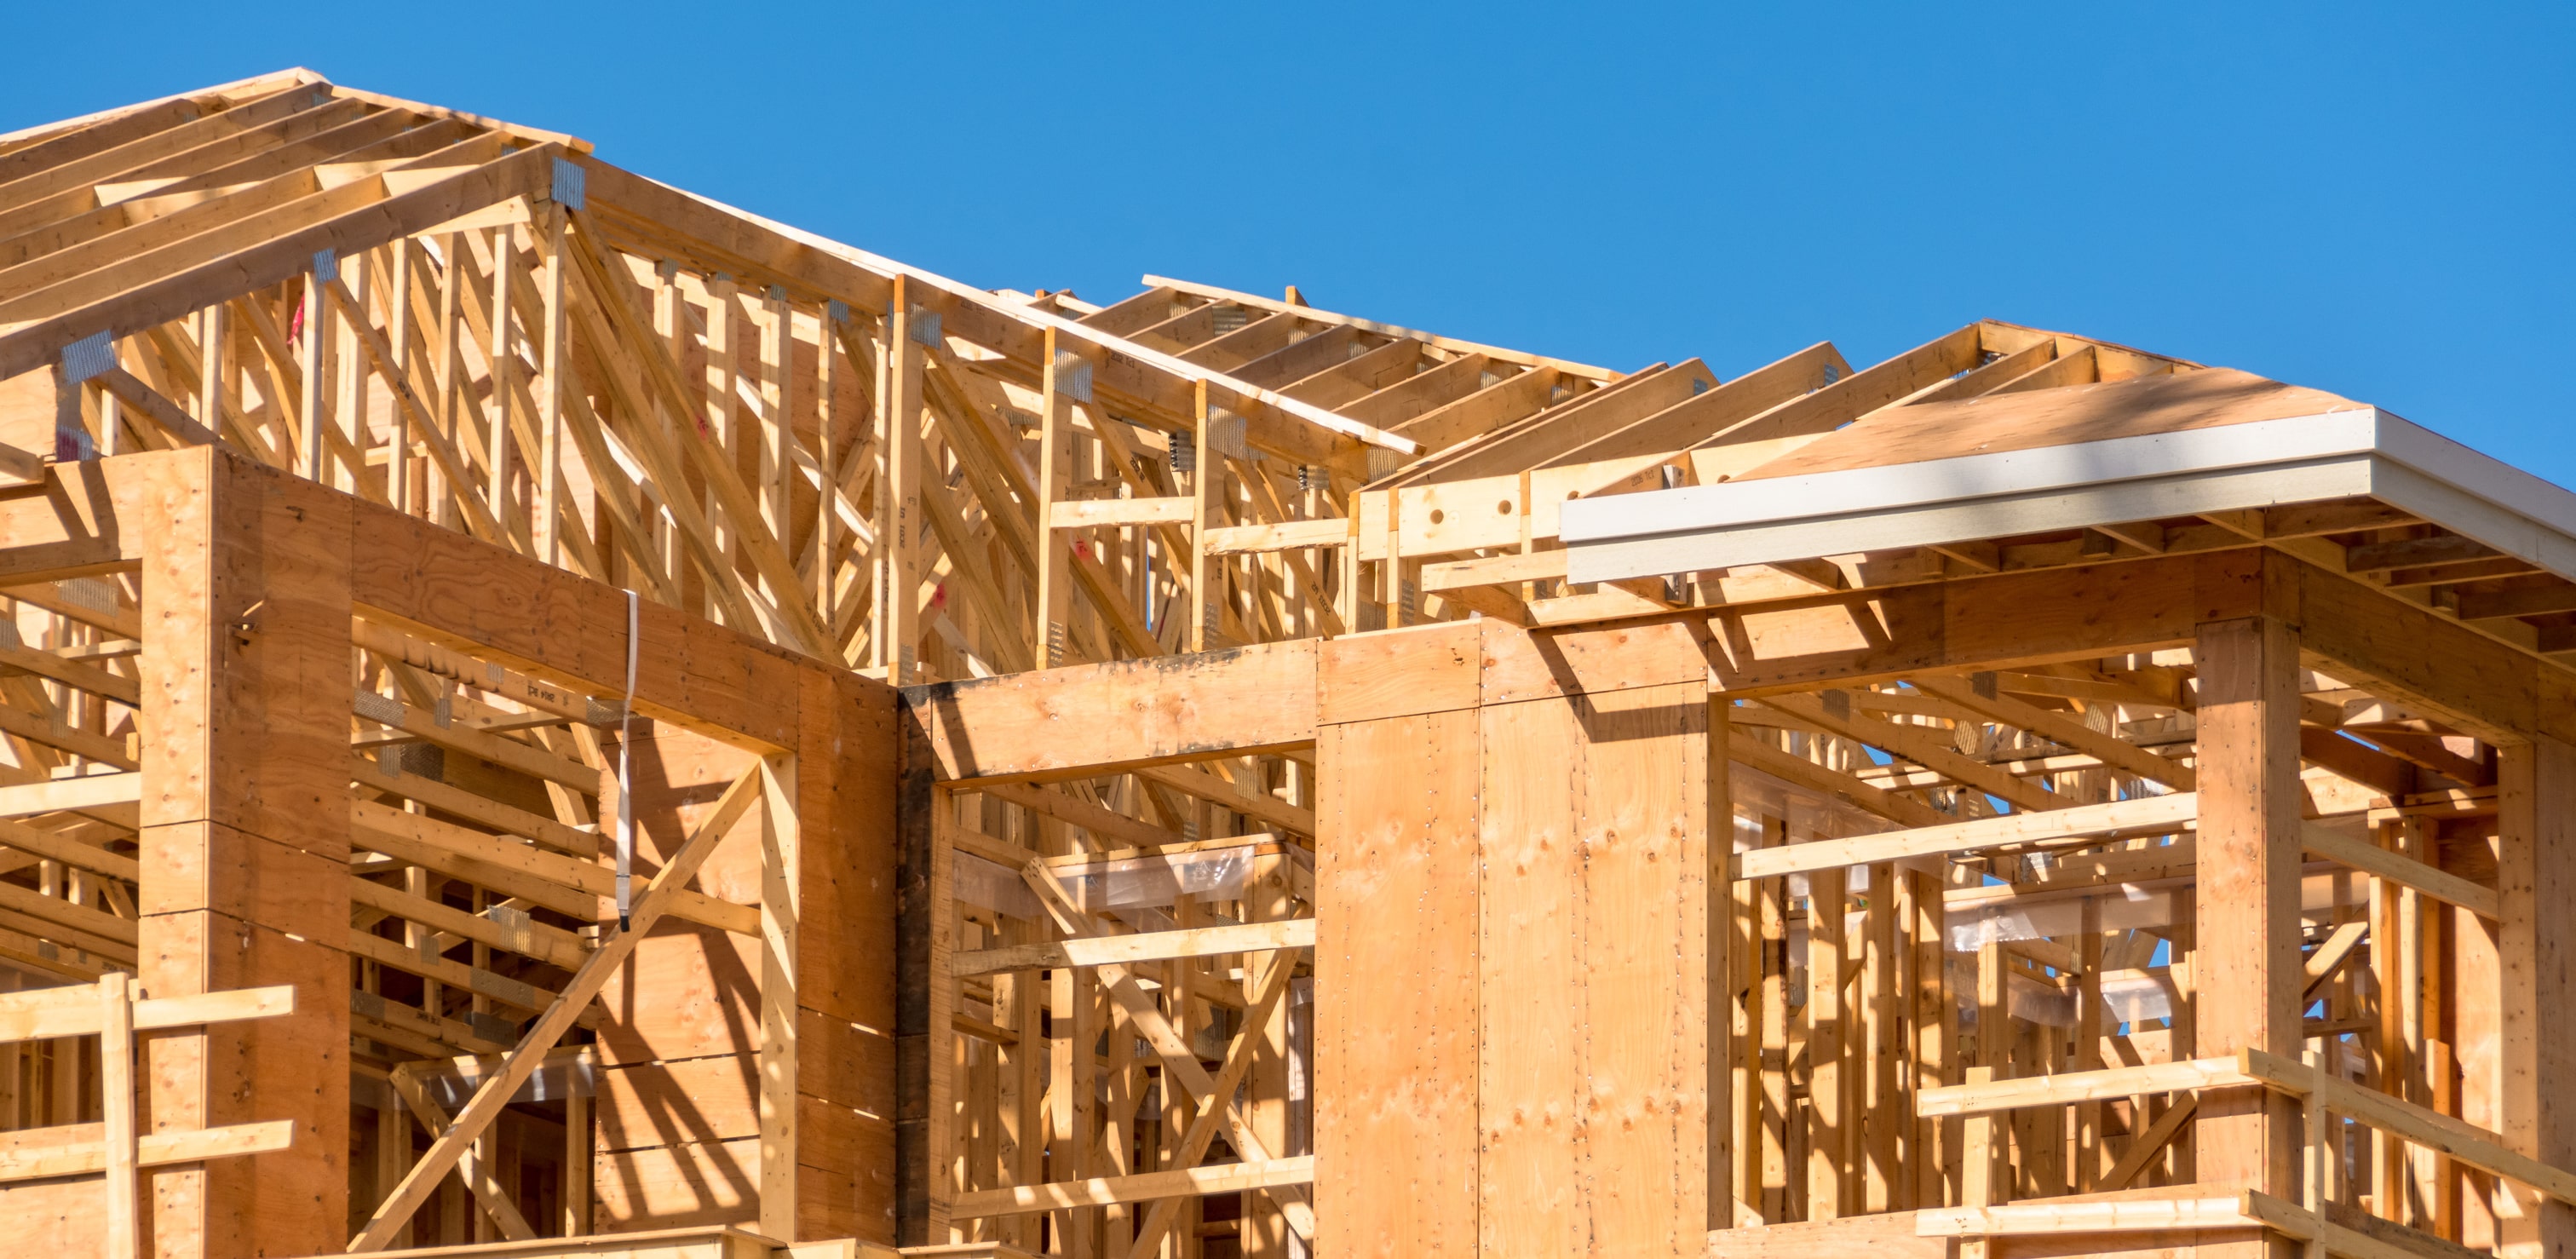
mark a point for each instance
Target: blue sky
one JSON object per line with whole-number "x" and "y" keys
{"x": 2373, "y": 199}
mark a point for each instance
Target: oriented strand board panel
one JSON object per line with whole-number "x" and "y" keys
{"x": 1397, "y": 1044}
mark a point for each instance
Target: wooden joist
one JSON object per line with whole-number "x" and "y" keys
{"x": 1220, "y": 1178}
{"x": 2147, "y": 815}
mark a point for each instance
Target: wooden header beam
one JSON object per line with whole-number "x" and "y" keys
{"x": 1094, "y": 719}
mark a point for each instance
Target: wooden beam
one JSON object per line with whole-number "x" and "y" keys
{"x": 1150, "y": 946}
{"x": 1806, "y": 773}
{"x": 2432, "y": 881}
{"x": 153, "y": 1149}
{"x": 2110, "y": 749}
{"x": 2082, "y": 1086}
{"x": 1193, "y": 781}
{"x": 1129, "y": 713}
{"x": 1922, "y": 745}
{"x": 2129, "y": 1215}
{"x": 1141, "y": 1187}
{"x": 2245, "y": 963}
{"x": 2147, "y": 815}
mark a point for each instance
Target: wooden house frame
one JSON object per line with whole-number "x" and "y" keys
{"x": 1204, "y": 775}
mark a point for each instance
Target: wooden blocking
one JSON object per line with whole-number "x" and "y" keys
{"x": 2246, "y": 976}
{"x": 2536, "y": 946}
{"x": 1538, "y": 1068}
{"x": 1830, "y": 1080}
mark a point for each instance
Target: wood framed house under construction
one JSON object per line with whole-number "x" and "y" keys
{"x": 543, "y": 715}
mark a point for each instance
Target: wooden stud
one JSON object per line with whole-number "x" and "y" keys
{"x": 554, "y": 365}
{"x": 2246, "y": 978}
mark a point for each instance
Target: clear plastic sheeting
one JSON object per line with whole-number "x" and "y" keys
{"x": 2125, "y": 907}
{"x": 1811, "y": 815}
{"x": 452, "y": 1085}
{"x": 994, "y": 886}
{"x": 1128, "y": 883}
{"x": 2002, "y": 914}
{"x": 1159, "y": 880}
{"x": 559, "y": 1077}
{"x": 2131, "y": 996}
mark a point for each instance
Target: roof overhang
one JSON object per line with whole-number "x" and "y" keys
{"x": 2238, "y": 467}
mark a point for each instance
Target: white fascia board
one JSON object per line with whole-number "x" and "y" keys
{"x": 2231, "y": 468}
{"x": 1989, "y": 516}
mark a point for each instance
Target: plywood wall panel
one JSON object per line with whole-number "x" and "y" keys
{"x": 1397, "y": 1044}
{"x": 1533, "y": 1000}
{"x": 1642, "y": 828}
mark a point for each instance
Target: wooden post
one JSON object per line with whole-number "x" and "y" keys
{"x": 827, "y": 456}
{"x": 2245, "y": 966}
{"x": 1725, "y": 920}
{"x": 1828, "y": 1079}
{"x": 898, "y": 612}
{"x": 578, "y": 1164}
{"x": 1055, "y": 485}
{"x": 781, "y": 868}
{"x": 213, "y": 356}
{"x": 1207, "y": 481}
{"x": 556, "y": 355}
{"x": 1771, "y": 1057}
{"x": 393, "y": 1152}
{"x": 1879, "y": 1119}
{"x": 116, "y": 1099}
{"x": 316, "y": 312}
{"x": 2090, "y": 1149}
{"x": 244, "y": 843}
{"x": 450, "y": 374}
{"x": 1977, "y": 1162}
{"x": 398, "y": 329}
{"x": 922, "y": 1033}
{"x": 348, "y": 369}
{"x": 502, "y": 354}
{"x": 1264, "y": 1231}
{"x": 2536, "y": 944}
{"x": 777, "y": 429}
